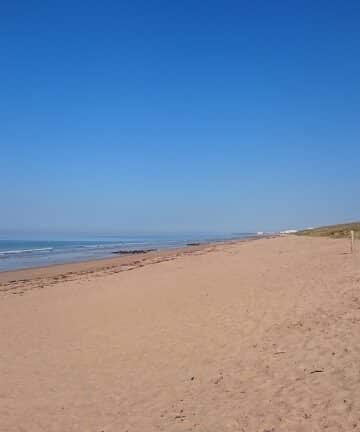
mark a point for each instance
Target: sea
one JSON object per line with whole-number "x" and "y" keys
{"x": 20, "y": 254}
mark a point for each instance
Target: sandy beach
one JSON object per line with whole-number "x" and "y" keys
{"x": 256, "y": 336}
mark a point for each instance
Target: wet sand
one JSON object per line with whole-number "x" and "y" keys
{"x": 248, "y": 336}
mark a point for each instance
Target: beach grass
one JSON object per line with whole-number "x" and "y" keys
{"x": 334, "y": 231}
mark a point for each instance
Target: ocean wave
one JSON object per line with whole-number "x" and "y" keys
{"x": 100, "y": 246}
{"x": 23, "y": 251}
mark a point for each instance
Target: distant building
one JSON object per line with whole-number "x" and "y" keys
{"x": 290, "y": 231}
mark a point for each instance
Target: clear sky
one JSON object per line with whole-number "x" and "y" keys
{"x": 120, "y": 116}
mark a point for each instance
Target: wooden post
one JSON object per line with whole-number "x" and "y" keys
{"x": 352, "y": 240}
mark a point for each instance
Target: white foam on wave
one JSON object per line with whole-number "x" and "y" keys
{"x": 100, "y": 246}
{"x": 22, "y": 251}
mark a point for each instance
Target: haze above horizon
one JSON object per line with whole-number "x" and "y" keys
{"x": 142, "y": 116}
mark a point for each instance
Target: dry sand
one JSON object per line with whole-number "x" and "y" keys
{"x": 254, "y": 336}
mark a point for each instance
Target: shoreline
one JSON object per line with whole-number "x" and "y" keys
{"x": 116, "y": 262}
{"x": 113, "y": 254}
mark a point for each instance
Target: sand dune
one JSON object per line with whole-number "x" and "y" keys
{"x": 253, "y": 336}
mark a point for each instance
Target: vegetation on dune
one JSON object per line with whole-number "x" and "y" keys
{"x": 334, "y": 231}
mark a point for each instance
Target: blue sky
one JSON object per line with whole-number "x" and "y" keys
{"x": 178, "y": 116}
